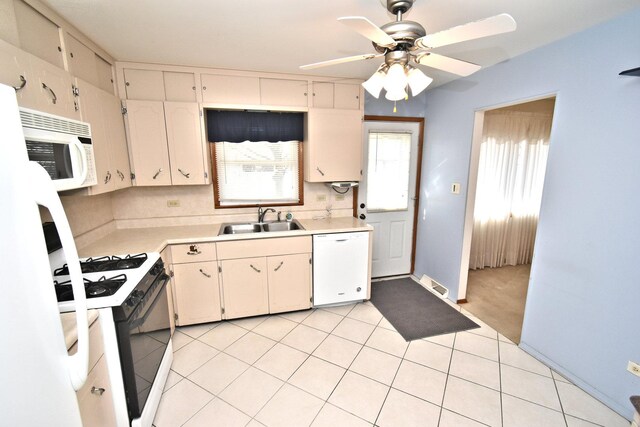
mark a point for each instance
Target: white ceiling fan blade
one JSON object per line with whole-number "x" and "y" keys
{"x": 455, "y": 66}
{"x": 340, "y": 61}
{"x": 368, "y": 29}
{"x": 498, "y": 24}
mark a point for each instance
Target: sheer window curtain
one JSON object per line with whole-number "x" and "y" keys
{"x": 513, "y": 158}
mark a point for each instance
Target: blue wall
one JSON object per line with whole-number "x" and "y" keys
{"x": 583, "y": 307}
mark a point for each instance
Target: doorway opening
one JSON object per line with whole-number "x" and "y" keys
{"x": 387, "y": 197}
{"x": 508, "y": 165}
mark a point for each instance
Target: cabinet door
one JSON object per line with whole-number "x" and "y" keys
{"x": 323, "y": 95}
{"x": 16, "y": 72}
{"x": 91, "y": 107}
{"x": 38, "y": 35}
{"x": 197, "y": 292}
{"x": 347, "y": 96}
{"x": 82, "y": 60}
{"x": 55, "y": 90}
{"x": 144, "y": 84}
{"x": 289, "y": 282}
{"x": 118, "y": 151}
{"x": 220, "y": 89}
{"x": 105, "y": 75}
{"x": 186, "y": 150}
{"x": 334, "y": 148}
{"x": 148, "y": 143}
{"x": 95, "y": 398}
{"x": 244, "y": 287}
{"x": 180, "y": 87}
{"x": 283, "y": 92}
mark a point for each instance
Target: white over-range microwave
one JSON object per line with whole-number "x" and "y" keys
{"x": 62, "y": 146}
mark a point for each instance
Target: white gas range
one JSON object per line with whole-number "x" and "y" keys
{"x": 130, "y": 293}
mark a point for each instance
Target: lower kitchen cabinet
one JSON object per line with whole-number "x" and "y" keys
{"x": 289, "y": 282}
{"x": 244, "y": 287}
{"x": 197, "y": 293}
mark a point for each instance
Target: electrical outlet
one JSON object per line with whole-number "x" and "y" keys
{"x": 339, "y": 197}
{"x": 321, "y": 197}
{"x": 634, "y": 368}
{"x": 173, "y": 203}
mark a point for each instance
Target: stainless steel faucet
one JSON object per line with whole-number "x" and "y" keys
{"x": 263, "y": 212}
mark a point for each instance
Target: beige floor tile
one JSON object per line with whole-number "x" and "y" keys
{"x": 512, "y": 355}
{"x": 484, "y": 329}
{"x": 529, "y": 386}
{"x": 502, "y": 338}
{"x": 429, "y": 354}
{"x": 218, "y": 373}
{"x": 223, "y": 336}
{"x": 360, "y": 396}
{"x": 451, "y": 419}
{"x": 254, "y": 423}
{"x": 172, "y": 379}
{"x": 475, "y": 369}
{"x": 580, "y": 404}
{"x": 365, "y": 313}
{"x": 250, "y": 347}
{"x": 191, "y": 357}
{"x": 354, "y": 330}
{"x": 332, "y": 416}
{"x": 517, "y": 413}
{"x": 296, "y": 316}
{"x": 323, "y": 320}
{"x": 179, "y": 340}
{"x": 195, "y": 331}
{"x": 376, "y": 365}
{"x": 180, "y": 403}
{"x": 401, "y": 409}
{"x": 384, "y": 323}
{"x": 388, "y": 341}
{"x": 304, "y": 338}
{"x": 281, "y": 361}
{"x": 477, "y": 344}
{"x": 446, "y": 340}
{"x": 218, "y": 414}
{"x": 342, "y": 310}
{"x": 474, "y": 401}
{"x": 251, "y": 390}
{"x": 337, "y": 350}
{"x": 290, "y": 407}
{"x": 249, "y": 322}
{"x": 317, "y": 377}
{"x": 275, "y": 327}
{"x": 558, "y": 377}
{"x": 420, "y": 381}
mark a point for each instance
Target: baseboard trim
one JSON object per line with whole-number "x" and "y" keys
{"x": 462, "y": 301}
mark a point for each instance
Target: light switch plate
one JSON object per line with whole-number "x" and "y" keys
{"x": 173, "y": 203}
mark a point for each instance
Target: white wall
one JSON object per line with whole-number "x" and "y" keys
{"x": 583, "y": 306}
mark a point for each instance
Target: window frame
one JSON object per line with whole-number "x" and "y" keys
{"x": 216, "y": 189}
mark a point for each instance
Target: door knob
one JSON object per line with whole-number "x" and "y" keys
{"x": 363, "y": 216}
{"x": 362, "y": 205}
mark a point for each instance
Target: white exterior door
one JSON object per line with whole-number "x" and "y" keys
{"x": 386, "y": 198}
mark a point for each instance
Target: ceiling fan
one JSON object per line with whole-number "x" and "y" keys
{"x": 402, "y": 42}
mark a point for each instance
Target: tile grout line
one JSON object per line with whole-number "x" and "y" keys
{"x": 446, "y": 380}
{"x": 500, "y": 378}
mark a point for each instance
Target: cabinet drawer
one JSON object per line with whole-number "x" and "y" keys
{"x": 264, "y": 247}
{"x": 193, "y": 252}
{"x": 96, "y": 346}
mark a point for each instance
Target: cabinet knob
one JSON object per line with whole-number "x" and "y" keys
{"x": 97, "y": 390}
{"x": 363, "y": 216}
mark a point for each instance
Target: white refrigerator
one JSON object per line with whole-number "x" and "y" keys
{"x": 38, "y": 378}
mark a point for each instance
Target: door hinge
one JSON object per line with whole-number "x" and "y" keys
{"x": 75, "y": 90}
{"x": 170, "y": 273}
{"x": 310, "y": 260}
{"x": 311, "y": 300}
{"x": 206, "y": 175}
{"x": 222, "y": 309}
{"x": 175, "y": 316}
{"x": 75, "y": 105}
{"x": 200, "y": 113}
{"x": 219, "y": 269}
{"x": 123, "y": 109}
{"x": 133, "y": 175}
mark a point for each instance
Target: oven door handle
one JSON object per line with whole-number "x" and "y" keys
{"x": 45, "y": 194}
{"x": 164, "y": 277}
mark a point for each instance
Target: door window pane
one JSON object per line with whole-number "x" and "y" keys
{"x": 388, "y": 171}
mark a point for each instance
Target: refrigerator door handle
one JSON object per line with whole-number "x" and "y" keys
{"x": 46, "y": 195}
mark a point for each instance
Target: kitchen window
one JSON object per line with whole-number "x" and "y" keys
{"x": 254, "y": 173}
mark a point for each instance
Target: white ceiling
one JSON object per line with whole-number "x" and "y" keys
{"x": 281, "y": 35}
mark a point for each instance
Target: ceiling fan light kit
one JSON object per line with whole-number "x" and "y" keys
{"x": 402, "y": 41}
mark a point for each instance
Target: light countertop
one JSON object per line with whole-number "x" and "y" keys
{"x": 137, "y": 240}
{"x": 69, "y": 325}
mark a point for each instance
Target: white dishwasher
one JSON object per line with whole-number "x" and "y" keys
{"x": 340, "y": 267}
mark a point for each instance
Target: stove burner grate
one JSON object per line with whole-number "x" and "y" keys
{"x": 93, "y": 288}
{"x": 106, "y": 263}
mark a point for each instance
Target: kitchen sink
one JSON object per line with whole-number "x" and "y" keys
{"x": 256, "y": 227}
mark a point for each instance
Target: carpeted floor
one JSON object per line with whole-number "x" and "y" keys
{"x": 497, "y": 296}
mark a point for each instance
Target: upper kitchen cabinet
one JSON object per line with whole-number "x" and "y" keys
{"x": 336, "y": 95}
{"x": 148, "y": 143}
{"x": 81, "y": 60}
{"x": 322, "y": 94}
{"x": 105, "y": 75}
{"x": 55, "y": 87}
{"x": 184, "y": 137}
{"x": 333, "y": 145}
{"x": 145, "y": 85}
{"x": 223, "y": 89}
{"x": 180, "y": 87}
{"x": 291, "y": 93}
{"x": 37, "y": 34}
{"x": 16, "y": 72}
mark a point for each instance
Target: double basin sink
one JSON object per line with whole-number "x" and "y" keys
{"x": 258, "y": 227}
